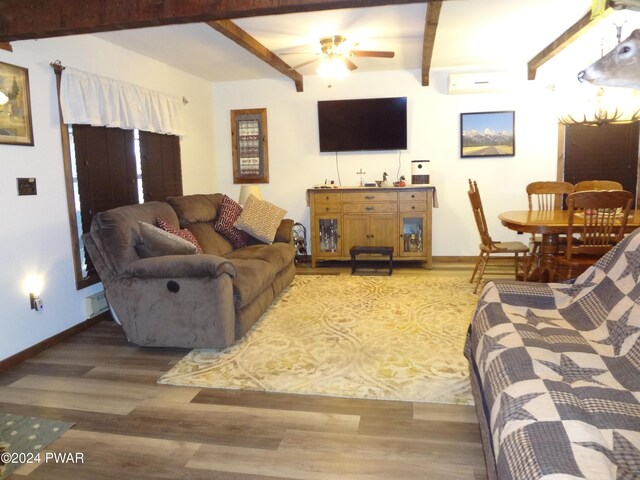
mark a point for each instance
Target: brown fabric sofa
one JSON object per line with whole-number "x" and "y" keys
{"x": 206, "y": 300}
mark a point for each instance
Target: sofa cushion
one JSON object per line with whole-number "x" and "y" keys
{"x": 180, "y": 232}
{"x": 196, "y": 208}
{"x": 278, "y": 254}
{"x": 260, "y": 219}
{"x": 257, "y": 266}
{"x": 198, "y": 214}
{"x": 211, "y": 241}
{"x": 228, "y": 213}
{"x": 252, "y": 277}
{"x": 157, "y": 242}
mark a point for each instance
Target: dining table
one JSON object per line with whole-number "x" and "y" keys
{"x": 550, "y": 224}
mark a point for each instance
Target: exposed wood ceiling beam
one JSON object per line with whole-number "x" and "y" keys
{"x": 6, "y": 46}
{"x": 246, "y": 41}
{"x": 430, "y": 29}
{"x": 29, "y": 19}
{"x": 572, "y": 34}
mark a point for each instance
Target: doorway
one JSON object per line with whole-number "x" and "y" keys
{"x": 605, "y": 152}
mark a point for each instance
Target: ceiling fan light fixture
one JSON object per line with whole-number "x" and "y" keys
{"x": 333, "y": 67}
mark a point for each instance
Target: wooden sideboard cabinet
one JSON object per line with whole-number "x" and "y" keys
{"x": 346, "y": 217}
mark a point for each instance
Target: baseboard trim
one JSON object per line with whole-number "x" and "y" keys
{"x": 454, "y": 259}
{"x": 34, "y": 350}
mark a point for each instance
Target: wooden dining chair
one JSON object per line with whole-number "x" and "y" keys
{"x": 597, "y": 221}
{"x": 546, "y": 195}
{"x": 488, "y": 247}
{"x": 598, "y": 185}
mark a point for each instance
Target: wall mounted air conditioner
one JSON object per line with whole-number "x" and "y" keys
{"x": 479, "y": 82}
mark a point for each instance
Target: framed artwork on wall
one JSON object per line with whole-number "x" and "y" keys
{"x": 15, "y": 106}
{"x": 487, "y": 134}
{"x": 250, "y": 146}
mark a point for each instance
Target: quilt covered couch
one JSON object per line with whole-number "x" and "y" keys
{"x": 181, "y": 298}
{"x": 555, "y": 373}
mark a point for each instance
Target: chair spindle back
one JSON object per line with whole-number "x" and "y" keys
{"x": 598, "y": 185}
{"x": 598, "y": 218}
{"x": 548, "y": 195}
{"x": 478, "y": 214}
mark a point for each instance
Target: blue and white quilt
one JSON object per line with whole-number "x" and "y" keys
{"x": 558, "y": 367}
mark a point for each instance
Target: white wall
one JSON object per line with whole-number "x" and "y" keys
{"x": 35, "y": 238}
{"x": 35, "y": 233}
{"x": 295, "y": 163}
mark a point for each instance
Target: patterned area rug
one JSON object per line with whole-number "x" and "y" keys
{"x": 22, "y": 439}
{"x": 393, "y": 338}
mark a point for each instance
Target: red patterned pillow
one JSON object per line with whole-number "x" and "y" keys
{"x": 181, "y": 232}
{"x": 227, "y": 215}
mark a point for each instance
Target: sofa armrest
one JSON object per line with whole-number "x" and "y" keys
{"x": 285, "y": 231}
{"x": 181, "y": 266}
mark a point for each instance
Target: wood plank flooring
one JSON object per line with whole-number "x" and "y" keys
{"x": 129, "y": 427}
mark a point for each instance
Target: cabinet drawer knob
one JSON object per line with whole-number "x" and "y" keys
{"x": 413, "y": 195}
{"x": 368, "y": 209}
{"x": 413, "y": 207}
{"x": 369, "y": 197}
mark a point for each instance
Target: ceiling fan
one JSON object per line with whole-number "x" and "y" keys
{"x": 335, "y": 48}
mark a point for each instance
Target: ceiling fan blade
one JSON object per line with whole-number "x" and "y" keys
{"x": 350, "y": 65}
{"x": 298, "y": 53}
{"x": 304, "y": 64}
{"x": 372, "y": 53}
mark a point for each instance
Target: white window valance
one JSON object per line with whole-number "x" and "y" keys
{"x": 86, "y": 98}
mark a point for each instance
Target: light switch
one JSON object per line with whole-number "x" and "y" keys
{"x": 27, "y": 186}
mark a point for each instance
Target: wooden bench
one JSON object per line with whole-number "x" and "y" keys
{"x": 386, "y": 251}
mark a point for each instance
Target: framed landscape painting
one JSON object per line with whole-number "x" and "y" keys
{"x": 15, "y": 106}
{"x": 487, "y": 134}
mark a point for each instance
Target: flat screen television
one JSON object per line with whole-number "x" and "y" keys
{"x": 363, "y": 124}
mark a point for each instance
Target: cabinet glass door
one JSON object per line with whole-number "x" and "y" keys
{"x": 329, "y": 241}
{"x": 412, "y": 235}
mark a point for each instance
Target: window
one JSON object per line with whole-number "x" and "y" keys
{"x": 605, "y": 152}
{"x": 111, "y": 167}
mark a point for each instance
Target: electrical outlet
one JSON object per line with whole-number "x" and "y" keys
{"x": 27, "y": 186}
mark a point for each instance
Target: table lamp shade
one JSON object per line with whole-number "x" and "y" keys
{"x": 246, "y": 190}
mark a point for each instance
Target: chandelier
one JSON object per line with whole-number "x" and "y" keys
{"x": 333, "y": 67}
{"x": 614, "y": 107}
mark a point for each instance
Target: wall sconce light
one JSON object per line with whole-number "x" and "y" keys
{"x": 33, "y": 286}
{"x": 36, "y": 302}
